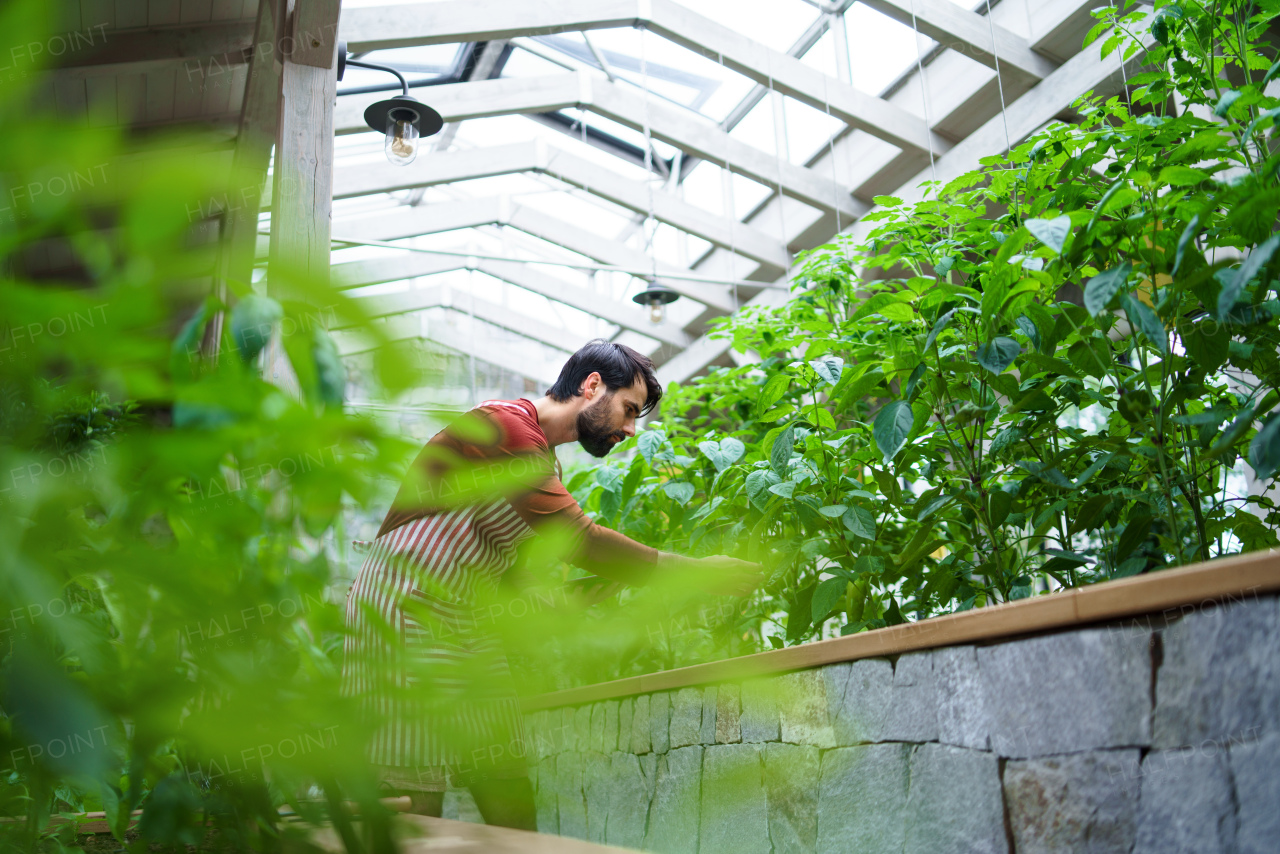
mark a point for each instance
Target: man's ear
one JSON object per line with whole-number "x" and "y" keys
{"x": 591, "y": 385}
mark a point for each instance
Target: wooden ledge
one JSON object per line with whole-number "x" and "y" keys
{"x": 446, "y": 836}
{"x": 1171, "y": 592}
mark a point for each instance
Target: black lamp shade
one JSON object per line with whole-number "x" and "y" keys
{"x": 655, "y": 292}
{"x": 425, "y": 119}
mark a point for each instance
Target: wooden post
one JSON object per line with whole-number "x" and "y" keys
{"x": 302, "y": 181}
{"x": 258, "y": 117}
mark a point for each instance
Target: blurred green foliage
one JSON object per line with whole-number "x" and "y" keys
{"x": 1051, "y": 371}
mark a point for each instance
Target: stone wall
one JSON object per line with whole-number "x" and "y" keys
{"x": 1156, "y": 735}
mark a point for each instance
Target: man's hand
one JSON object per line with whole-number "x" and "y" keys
{"x": 727, "y": 576}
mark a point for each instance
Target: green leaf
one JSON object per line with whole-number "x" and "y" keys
{"x": 1028, "y": 328}
{"x": 833, "y": 511}
{"x": 678, "y": 491}
{"x": 861, "y": 522}
{"x": 892, "y": 427}
{"x": 1051, "y": 232}
{"x": 826, "y": 597}
{"x": 1135, "y": 534}
{"x": 913, "y": 381}
{"x": 937, "y": 329}
{"x": 1234, "y": 286}
{"x": 1271, "y": 73}
{"x": 785, "y": 489}
{"x": 999, "y": 503}
{"x": 783, "y": 447}
{"x": 1005, "y": 438}
{"x": 934, "y": 506}
{"x": 772, "y": 391}
{"x": 758, "y": 483}
{"x": 186, "y": 347}
{"x": 1181, "y": 176}
{"x": 650, "y": 442}
{"x": 1146, "y": 322}
{"x": 829, "y": 368}
{"x": 724, "y": 453}
{"x": 252, "y": 321}
{"x": 1264, "y": 450}
{"x": 1188, "y": 234}
{"x": 998, "y": 354}
{"x": 1102, "y": 289}
{"x": 1231, "y": 434}
{"x": 1223, "y": 106}
{"x": 331, "y": 371}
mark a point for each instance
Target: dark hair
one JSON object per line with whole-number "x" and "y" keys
{"x": 617, "y": 364}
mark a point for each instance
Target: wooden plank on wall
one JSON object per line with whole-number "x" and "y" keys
{"x": 1167, "y": 593}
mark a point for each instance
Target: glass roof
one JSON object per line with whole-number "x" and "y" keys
{"x": 710, "y": 199}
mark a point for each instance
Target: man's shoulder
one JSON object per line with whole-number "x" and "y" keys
{"x": 518, "y": 421}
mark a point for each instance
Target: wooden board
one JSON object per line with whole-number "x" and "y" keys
{"x": 1169, "y": 593}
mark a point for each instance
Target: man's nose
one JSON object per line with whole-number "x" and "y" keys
{"x": 629, "y": 427}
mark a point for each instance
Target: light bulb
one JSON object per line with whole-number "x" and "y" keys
{"x": 657, "y": 311}
{"x": 402, "y": 139}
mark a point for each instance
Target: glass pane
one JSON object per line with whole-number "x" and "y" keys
{"x": 880, "y": 48}
{"x": 776, "y": 23}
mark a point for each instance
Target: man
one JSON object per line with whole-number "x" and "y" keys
{"x": 415, "y": 656}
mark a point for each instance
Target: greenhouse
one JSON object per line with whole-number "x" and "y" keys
{"x": 640, "y": 425}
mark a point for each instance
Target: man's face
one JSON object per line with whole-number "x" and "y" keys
{"x": 610, "y": 418}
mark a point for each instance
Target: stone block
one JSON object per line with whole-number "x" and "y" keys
{"x": 631, "y": 793}
{"x": 862, "y": 798}
{"x": 729, "y": 715}
{"x": 597, "y": 773}
{"x": 659, "y": 722}
{"x": 673, "y": 818}
{"x": 538, "y": 744}
{"x": 1068, "y": 692}
{"x": 1255, "y": 769}
{"x": 1185, "y": 803}
{"x": 914, "y": 700}
{"x": 962, "y": 719}
{"x": 626, "y": 712}
{"x": 596, "y": 744}
{"x": 582, "y": 727}
{"x": 802, "y": 709}
{"x": 545, "y": 795}
{"x": 707, "y": 735}
{"x": 686, "y": 718}
{"x": 734, "y": 814}
{"x": 460, "y": 806}
{"x": 1220, "y": 675}
{"x": 1082, "y": 802}
{"x": 610, "y": 740}
{"x": 640, "y": 725}
{"x": 570, "y": 803}
{"x": 759, "y": 720}
{"x": 568, "y": 733}
{"x": 955, "y": 802}
{"x": 860, "y": 713}
{"x": 791, "y": 773}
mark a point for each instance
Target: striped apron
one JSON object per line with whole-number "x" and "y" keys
{"x": 430, "y": 676}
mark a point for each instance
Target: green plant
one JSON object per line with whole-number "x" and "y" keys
{"x": 1042, "y": 375}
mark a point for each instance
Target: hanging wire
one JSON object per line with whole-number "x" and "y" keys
{"x": 776, "y": 106}
{"x": 649, "y": 228}
{"x": 924, "y": 91}
{"x": 995, "y": 53}
{"x": 731, "y": 210}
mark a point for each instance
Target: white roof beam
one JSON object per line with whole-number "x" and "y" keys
{"x": 969, "y": 33}
{"x": 673, "y": 125}
{"x": 357, "y": 274}
{"x": 1084, "y": 72}
{"x": 591, "y": 177}
{"x": 370, "y": 28}
{"x": 407, "y": 221}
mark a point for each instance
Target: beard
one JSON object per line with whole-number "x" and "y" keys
{"x": 595, "y": 434}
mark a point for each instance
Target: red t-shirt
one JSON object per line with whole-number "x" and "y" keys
{"x": 499, "y": 448}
